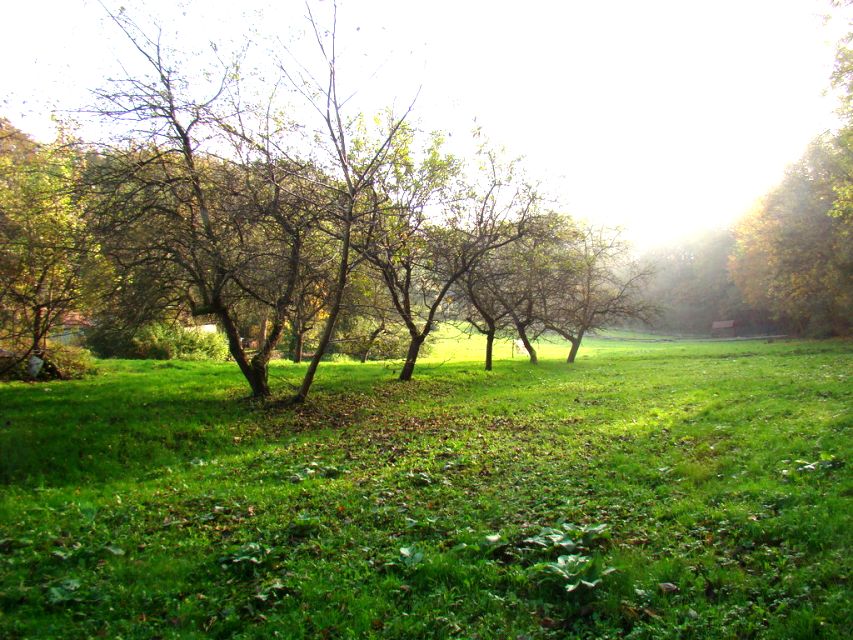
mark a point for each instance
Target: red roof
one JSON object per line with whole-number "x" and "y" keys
{"x": 75, "y": 319}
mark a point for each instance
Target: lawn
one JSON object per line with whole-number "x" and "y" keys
{"x": 650, "y": 490}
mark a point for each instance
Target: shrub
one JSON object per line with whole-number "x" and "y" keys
{"x": 61, "y": 362}
{"x": 108, "y": 341}
{"x": 72, "y": 363}
{"x": 391, "y": 344}
{"x": 339, "y": 357}
{"x": 166, "y": 342}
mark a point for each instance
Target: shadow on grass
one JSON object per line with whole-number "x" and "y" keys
{"x": 117, "y": 425}
{"x": 681, "y": 462}
{"x": 137, "y": 418}
{"x": 132, "y": 419}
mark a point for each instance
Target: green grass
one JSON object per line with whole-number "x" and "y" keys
{"x": 153, "y": 500}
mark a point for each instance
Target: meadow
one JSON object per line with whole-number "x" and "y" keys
{"x": 649, "y": 490}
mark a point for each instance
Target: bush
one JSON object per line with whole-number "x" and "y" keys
{"x": 108, "y": 341}
{"x": 166, "y": 342}
{"x": 339, "y": 357}
{"x": 61, "y": 362}
{"x": 392, "y": 344}
{"x": 71, "y": 363}
{"x": 157, "y": 341}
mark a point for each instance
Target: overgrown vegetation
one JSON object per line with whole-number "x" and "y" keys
{"x": 654, "y": 490}
{"x": 162, "y": 341}
{"x": 61, "y": 362}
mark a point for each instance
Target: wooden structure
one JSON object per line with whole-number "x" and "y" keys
{"x": 723, "y": 329}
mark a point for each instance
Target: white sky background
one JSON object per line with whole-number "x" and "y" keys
{"x": 665, "y": 117}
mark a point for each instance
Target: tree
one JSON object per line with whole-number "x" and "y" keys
{"x": 512, "y": 278}
{"x": 841, "y": 145}
{"x": 353, "y": 164}
{"x": 200, "y": 192}
{"x": 794, "y": 254}
{"x": 205, "y": 187}
{"x": 435, "y": 230}
{"x": 592, "y": 284}
{"x": 481, "y": 308}
{"x": 47, "y": 256}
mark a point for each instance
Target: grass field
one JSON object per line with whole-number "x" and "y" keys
{"x": 692, "y": 490}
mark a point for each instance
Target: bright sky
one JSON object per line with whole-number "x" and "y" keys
{"x": 665, "y": 117}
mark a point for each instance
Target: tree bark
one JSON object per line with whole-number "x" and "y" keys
{"x": 263, "y": 329}
{"x": 522, "y": 333}
{"x": 411, "y": 358}
{"x": 37, "y": 333}
{"x": 490, "y": 341}
{"x": 260, "y": 378}
{"x": 334, "y": 311}
{"x": 254, "y": 372}
{"x": 298, "y": 346}
{"x": 576, "y": 345}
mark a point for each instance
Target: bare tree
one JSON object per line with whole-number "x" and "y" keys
{"x": 434, "y": 231}
{"x": 353, "y": 167}
{"x": 477, "y": 303}
{"x": 208, "y": 188}
{"x": 210, "y": 223}
{"x": 513, "y": 277}
{"x": 593, "y": 283}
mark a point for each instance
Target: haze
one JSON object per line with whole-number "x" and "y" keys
{"x": 662, "y": 117}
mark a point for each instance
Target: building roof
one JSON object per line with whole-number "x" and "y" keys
{"x": 75, "y": 319}
{"x": 723, "y": 324}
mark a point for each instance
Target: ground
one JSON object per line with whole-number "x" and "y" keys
{"x": 693, "y": 490}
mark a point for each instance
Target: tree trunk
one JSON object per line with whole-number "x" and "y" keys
{"x": 260, "y": 378}
{"x": 254, "y": 372}
{"x": 298, "y": 347}
{"x": 490, "y": 341}
{"x": 259, "y": 364}
{"x": 264, "y": 327}
{"x": 374, "y": 334}
{"x": 411, "y": 358}
{"x": 37, "y": 336}
{"x": 522, "y": 333}
{"x": 334, "y": 312}
{"x": 576, "y": 345}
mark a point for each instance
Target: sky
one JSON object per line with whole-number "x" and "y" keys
{"x": 662, "y": 117}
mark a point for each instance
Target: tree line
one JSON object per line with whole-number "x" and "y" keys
{"x": 786, "y": 267}
{"x": 219, "y": 206}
